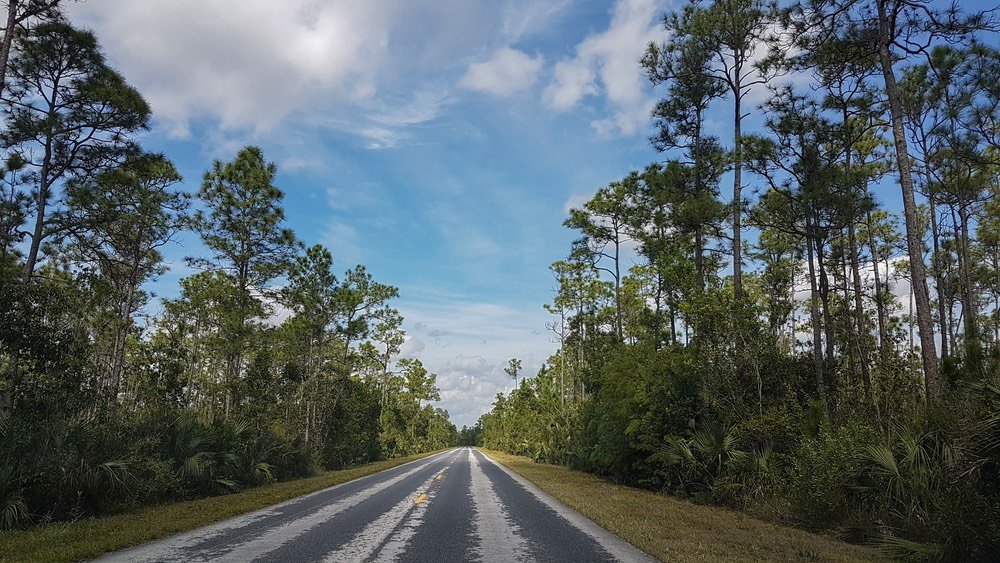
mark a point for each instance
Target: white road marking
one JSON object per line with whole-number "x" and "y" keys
{"x": 289, "y": 531}
{"x": 615, "y": 546}
{"x": 179, "y": 547}
{"x": 499, "y": 538}
{"x": 371, "y": 539}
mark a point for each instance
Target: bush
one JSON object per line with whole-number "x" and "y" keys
{"x": 822, "y": 487}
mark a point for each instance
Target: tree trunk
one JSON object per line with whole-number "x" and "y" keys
{"x": 852, "y": 242}
{"x": 859, "y": 313}
{"x": 44, "y": 187}
{"x": 737, "y": 195}
{"x": 883, "y": 334}
{"x": 914, "y": 234}
{"x": 824, "y": 294}
{"x": 816, "y": 325}
{"x": 618, "y": 288}
{"x": 8, "y": 38}
{"x": 938, "y": 279}
{"x": 699, "y": 237}
{"x": 969, "y": 309}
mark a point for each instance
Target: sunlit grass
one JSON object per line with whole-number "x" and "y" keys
{"x": 675, "y": 530}
{"x": 92, "y": 537}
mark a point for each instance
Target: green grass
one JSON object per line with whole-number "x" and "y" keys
{"x": 675, "y": 530}
{"x": 92, "y": 537}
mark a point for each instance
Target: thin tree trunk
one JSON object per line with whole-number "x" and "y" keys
{"x": 938, "y": 279}
{"x": 914, "y": 233}
{"x": 859, "y": 313}
{"x": 8, "y": 38}
{"x": 44, "y": 188}
{"x": 618, "y": 288}
{"x": 969, "y": 308}
{"x": 699, "y": 242}
{"x": 824, "y": 294}
{"x": 562, "y": 357}
{"x": 737, "y": 194}
{"x": 816, "y": 326}
{"x": 910, "y": 319}
{"x": 883, "y": 334}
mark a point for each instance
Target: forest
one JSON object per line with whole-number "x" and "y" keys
{"x": 266, "y": 365}
{"x": 800, "y": 318}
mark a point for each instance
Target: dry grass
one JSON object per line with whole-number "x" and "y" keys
{"x": 675, "y": 530}
{"x": 92, "y": 537}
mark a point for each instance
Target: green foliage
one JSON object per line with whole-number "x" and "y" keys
{"x": 106, "y": 405}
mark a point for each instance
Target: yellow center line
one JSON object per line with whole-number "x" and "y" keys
{"x": 421, "y": 498}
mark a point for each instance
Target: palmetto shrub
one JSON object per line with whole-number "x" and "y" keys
{"x": 710, "y": 463}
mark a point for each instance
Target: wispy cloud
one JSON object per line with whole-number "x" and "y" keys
{"x": 524, "y": 18}
{"x": 506, "y": 72}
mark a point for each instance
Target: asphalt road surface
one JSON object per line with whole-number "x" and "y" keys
{"x": 455, "y": 506}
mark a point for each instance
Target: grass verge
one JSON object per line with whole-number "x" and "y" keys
{"x": 671, "y": 529}
{"x": 92, "y": 537}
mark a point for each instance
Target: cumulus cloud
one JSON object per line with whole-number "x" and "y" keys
{"x": 605, "y": 64}
{"x": 247, "y": 66}
{"x": 506, "y": 72}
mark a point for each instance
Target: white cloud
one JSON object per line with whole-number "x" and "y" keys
{"x": 574, "y": 80}
{"x": 467, "y": 344}
{"x": 506, "y": 72}
{"x": 607, "y": 64}
{"x": 248, "y": 65}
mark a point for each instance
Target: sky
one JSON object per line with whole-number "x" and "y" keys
{"x": 440, "y": 143}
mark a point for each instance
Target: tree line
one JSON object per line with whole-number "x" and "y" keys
{"x": 838, "y": 367}
{"x": 266, "y": 365}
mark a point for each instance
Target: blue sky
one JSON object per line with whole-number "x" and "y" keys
{"x": 440, "y": 143}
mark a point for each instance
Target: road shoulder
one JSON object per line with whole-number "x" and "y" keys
{"x": 671, "y": 529}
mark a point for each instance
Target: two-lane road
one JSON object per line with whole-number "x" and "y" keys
{"x": 454, "y": 506}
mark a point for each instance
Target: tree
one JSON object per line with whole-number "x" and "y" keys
{"x": 844, "y": 70}
{"x": 941, "y": 99}
{"x": 311, "y": 294}
{"x": 419, "y": 383}
{"x": 358, "y": 299}
{"x": 389, "y": 336}
{"x": 604, "y": 221}
{"x": 69, "y": 115}
{"x": 116, "y": 223}
{"x": 891, "y": 30}
{"x": 242, "y": 227}
{"x": 513, "y": 369}
{"x": 685, "y": 63}
{"x": 735, "y": 32}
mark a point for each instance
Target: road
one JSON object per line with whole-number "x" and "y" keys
{"x": 455, "y": 506}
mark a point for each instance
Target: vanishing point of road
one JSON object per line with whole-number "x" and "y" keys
{"x": 454, "y": 506}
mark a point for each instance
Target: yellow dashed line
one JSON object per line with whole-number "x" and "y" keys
{"x": 421, "y": 498}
